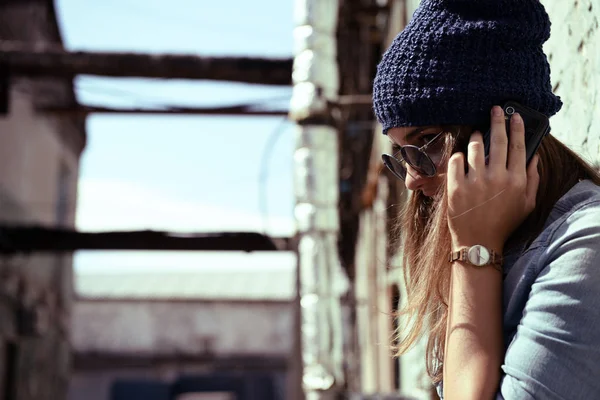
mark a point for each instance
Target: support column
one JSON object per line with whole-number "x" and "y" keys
{"x": 322, "y": 281}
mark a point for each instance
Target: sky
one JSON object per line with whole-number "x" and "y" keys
{"x": 182, "y": 173}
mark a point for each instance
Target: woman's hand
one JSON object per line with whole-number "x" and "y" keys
{"x": 489, "y": 202}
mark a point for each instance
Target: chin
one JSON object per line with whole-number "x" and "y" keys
{"x": 428, "y": 192}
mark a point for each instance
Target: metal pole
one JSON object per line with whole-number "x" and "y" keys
{"x": 321, "y": 278}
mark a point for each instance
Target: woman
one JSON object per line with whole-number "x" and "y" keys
{"x": 525, "y": 325}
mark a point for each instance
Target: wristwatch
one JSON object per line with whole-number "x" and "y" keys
{"x": 478, "y": 256}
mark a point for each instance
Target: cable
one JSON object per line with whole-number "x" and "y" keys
{"x": 119, "y": 94}
{"x": 156, "y": 103}
{"x": 163, "y": 102}
{"x": 264, "y": 172}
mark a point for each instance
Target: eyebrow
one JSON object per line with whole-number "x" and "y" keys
{"x": 414, "y": 133}
{"x": 408, "y": 137}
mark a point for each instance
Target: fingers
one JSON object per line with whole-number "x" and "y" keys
{"x": 516, "y": 152}
{"x": 507, "y": 161}
{"x": 456, "y": 171}
{"x": 475, "y": 154}
{"x": 498, "y": 139}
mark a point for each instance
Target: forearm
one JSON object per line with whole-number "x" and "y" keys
{"x": 474, "y": 348}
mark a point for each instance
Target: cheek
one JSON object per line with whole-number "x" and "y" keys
{"x": 442, "y": 168}
{"x": 440, "y": 177}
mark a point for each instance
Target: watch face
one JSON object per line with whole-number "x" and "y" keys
{"x": 478, "y": 255}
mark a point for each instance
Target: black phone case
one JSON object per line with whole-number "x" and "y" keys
{"x": 537, "y": 126}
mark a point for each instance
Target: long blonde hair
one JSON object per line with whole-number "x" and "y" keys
{"x": 425, "y": 242}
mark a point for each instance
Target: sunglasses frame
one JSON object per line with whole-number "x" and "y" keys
{"x": 388, "y": 159}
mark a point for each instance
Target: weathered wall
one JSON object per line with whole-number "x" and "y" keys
{"x": 36, "y": 166}
{"x": 38, "y": 185}
{"x": 574, "y": 53}
{"x": 146, "y": 328}
{"x": 177, "y": 338}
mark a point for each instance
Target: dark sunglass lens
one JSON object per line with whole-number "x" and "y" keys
{"x": 418, "y": 160}
{"x": 395, "y": 166}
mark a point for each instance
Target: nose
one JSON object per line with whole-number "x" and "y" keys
{"x": 413, "y": 180}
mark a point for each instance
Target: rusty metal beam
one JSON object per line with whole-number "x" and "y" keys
{"x": 26, "y": 239}
{"x": 54, "y": 61}
{"x": 244, "y": 109}
{"x": 231, "y": 111}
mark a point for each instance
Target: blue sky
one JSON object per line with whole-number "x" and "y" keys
{"x": 191, "y": 173}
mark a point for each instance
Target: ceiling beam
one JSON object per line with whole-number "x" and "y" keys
{"x": 29, "y": 239}
{"x": 53, "y": 61}
{"x": 226, "y": 111}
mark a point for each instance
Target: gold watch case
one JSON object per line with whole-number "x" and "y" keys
{"x": 478, "y": 256}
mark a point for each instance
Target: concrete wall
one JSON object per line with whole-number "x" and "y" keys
{"x": 38, "y": 182}
{"x": 574, "y": 53}
{"x": 147, "y": 328}
{"x": 177, "y": 338}
{"x": 36, "y": 168}
{"x": 38, "y": 185}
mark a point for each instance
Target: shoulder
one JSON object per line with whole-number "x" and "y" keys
{"x": 583, "y": 197}
{"x": 571, "y": 230}
{"x": 570, "y": 250}
{"x": 578, "y": 228}
{"x": 573, "y": 223}
{"x": 576, "y": 215}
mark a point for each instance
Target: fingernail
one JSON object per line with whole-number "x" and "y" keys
{"x": 517, "y": 118}
{"x": 497, "y": 111}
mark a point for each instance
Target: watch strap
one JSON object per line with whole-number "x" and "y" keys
{"x": 461, "y": 255}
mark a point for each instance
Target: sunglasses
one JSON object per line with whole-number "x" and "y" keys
{"x": 416, "y": 157}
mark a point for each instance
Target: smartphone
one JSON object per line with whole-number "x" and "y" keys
{"x": 537, "y": 126}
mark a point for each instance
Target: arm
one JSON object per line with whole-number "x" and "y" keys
{"x": 484, "y": 207}
{"x": 474, "y": 343}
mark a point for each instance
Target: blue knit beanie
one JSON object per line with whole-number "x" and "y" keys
{"x": 458, "y": 58}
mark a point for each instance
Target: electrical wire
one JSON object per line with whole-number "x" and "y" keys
{"x": 264, "y": 172}
{"x": 156, "y": 103}
{"x": 121, "y": 94}
{"x": 108, "y": 90}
